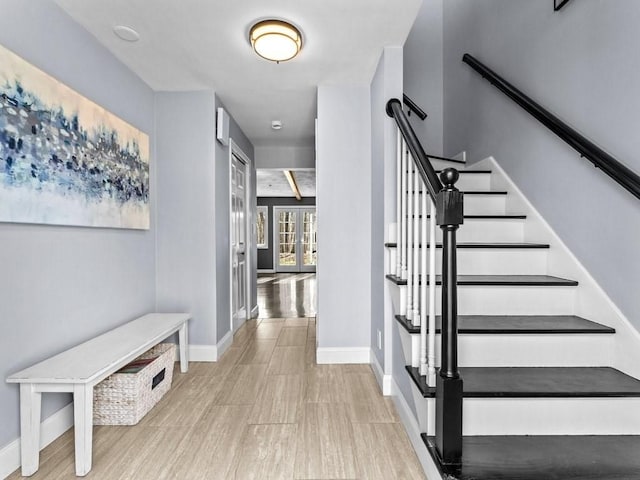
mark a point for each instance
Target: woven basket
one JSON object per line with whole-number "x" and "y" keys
{"x": 124, "y": 398}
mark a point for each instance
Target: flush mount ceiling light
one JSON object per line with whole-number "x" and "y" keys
{"x": 275, "y": 40}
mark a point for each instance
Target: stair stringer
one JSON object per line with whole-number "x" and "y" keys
{"x": 590, "y": 301}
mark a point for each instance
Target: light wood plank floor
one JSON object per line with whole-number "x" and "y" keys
{"x": 264, "y": 411}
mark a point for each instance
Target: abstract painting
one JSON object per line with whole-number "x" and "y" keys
{"x": 65, "y": 160}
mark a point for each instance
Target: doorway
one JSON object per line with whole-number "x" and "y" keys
{"x": 239, "y": 237}
{"x": 295, "y": 235}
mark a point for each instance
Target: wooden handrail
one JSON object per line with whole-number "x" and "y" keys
{"x": 623, "y": 175}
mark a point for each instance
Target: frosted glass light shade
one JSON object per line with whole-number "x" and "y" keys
{"x": 275, "y": 40}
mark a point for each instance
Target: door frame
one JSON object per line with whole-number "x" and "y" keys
{"x": 234, "y": 149}
{"x": 300, "y": 268}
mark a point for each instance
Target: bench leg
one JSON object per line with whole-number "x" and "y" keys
{"x": 183, "y": 339}
{"x": 83, "y": 421}
{"x": 30, "y": 406}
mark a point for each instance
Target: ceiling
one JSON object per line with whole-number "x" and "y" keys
{"x": 273, "y": 183}
{"x": 203, "y": 44}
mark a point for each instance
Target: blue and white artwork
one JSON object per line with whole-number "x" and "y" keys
{"x": 65, "y": 160}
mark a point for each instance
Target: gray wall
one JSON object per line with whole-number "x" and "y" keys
{"x": 193, "y": 212}
{"x": 223, "y": 259}
{"x": 62, "y": 285}
{"x": 423, "y": 73}
{"x": 583, "y": 64}
{"x": 344, "y": 216}
{"x": 386, "y": 84}
{"x": 186, "y": 234}
{"x": 265, "y": 255}
{"x": 285, "y": 157}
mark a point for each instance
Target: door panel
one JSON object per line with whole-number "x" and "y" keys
{"x": 295, "y": 236}
{"x": 238, "y": 243}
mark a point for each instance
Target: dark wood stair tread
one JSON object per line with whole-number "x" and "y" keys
{"x": 517, "y": 324}
{"x": 487, "y": 217}
{"x": 546, "y": 457}
{"x": 484, "y": 245}
{"x": 501, "y": 280}
{"x": 473, "y": 192}
{"x": 465, "y": 172}
{"x": 539, "y": 382}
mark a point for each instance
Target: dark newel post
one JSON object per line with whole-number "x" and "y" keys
{"x": 449, "y": 217}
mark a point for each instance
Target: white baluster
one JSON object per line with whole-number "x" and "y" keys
{"x": 399, "y": 223}
{"x": 403, "y": 213}
{"x": 417, "y": 182}
{"x": 431, "y": 371}
{"x": 424, "y": 287}
{"x": 409, "y": 241}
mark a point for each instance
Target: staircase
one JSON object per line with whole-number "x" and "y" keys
{"x": 541, "y": 398}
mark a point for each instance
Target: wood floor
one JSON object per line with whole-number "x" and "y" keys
{"x": 264, "y": 411}
{"x": 287, "y": 295}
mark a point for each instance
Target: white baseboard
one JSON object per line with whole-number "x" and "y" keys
{"x": 224, "y": 343}
{"x": 51, "y": 428}
{"x": 255, "y": 311}
{"x": 384, "y": 381}
{"x": 413, "y": 432}
{"x": 336, "y": 355}
{"x": 266, "y": 270}
{"x": 203, "y": 353}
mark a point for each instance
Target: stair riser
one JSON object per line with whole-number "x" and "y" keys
{"x": 543, "y": 416}
{"x": 484, "y": 204}
{"x": 483, "y": 350}
{"x": 477, "y": 261}
{"x": 501, "y": 300}
{"x": 488, "y": 230}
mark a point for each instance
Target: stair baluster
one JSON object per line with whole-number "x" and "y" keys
{"x": 417, "y": 191}
{"x": 409, "y": 240}
{"x": 399, "y": 214}
{"x": 431, "y": 371}
{"x": 424, "y": 286}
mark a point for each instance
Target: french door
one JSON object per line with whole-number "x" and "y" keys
{"x": 295, "y": 231}
{"x": 238, "y": 242}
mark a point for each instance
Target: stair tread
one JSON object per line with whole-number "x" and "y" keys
{"x": 546, "y": 457}
{"x": 539, "y": 382}
{"x": 500, "y": 280}
{"x": 487, "y": 217}
{"x": 517, "y": 324}
{"x": 475, "y": 192}
{"x": 485, "y": 245}
{"x": 468, "y": 171}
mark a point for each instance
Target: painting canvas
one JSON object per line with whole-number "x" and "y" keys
{"x": 65, "y": 160}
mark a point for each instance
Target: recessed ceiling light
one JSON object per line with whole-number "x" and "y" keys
{"x": 275, "y": 40}
{"x": 276, "y": 124}
{"x": 125, "y": 33}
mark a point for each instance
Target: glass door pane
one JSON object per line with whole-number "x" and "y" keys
{"x": 287, "y": 236}
{"x": 309, "y": 238}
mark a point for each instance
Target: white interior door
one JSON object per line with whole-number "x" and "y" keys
{"x": 295, "y": 239}
{"x": 238, "y": 242}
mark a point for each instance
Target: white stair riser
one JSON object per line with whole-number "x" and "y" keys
{"x": 484, "y": 204}
{"x": 541, "y": 416}
{"x": 488, "y": 230}
{"x": 474, "y": 182}
{"x": 478, "y": 204}
{"x": 504, "y": 300}
{"x": 526, "y": 350}
{"x": 551, "y": 416}
{"x": 494, "y": 261}
{"x": 489, "y": 261}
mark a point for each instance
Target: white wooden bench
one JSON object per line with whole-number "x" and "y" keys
{"x": 78, "y": 370}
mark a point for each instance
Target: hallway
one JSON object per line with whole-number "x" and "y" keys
{"x": 266, "y": 410}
